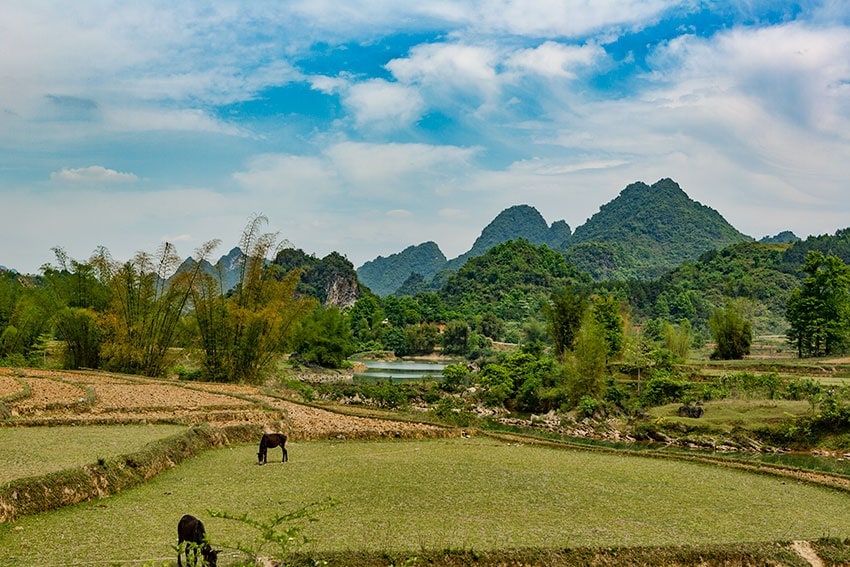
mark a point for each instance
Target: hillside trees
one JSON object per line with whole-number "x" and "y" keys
{"x": 819, "y": 310}
{"x": 76, "y": 297}
{"x": 564, "y": 313}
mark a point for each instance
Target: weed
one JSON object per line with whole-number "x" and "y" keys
{"x": 282, "y": 531}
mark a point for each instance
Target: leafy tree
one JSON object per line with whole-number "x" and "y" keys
{"x": 456, "y": 338}
{"x": 422, "y": 338}
{"x": 819, "y": 310}
{"x": 401, "y": 311}
{"x": 145, "y": 309}
{"x": 732, "y": 333}
{"x": 534, "y": 337}
{"x": 395, "y": 339}
{"x": 564, "y": 313}
{"x": 455, "y": 376}
{"x": 324, "y": 338}
{"x": 678, "y": 338}
{"x": 491, "y": 326}
{"x": 366, "y": 317}
{"x": 606, "y": 311}
{"x": 587, "y": 361}
{"x": 76, "y": 298}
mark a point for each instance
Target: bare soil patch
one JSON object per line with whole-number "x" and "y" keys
{"x": 93, "y": 397}
{"x": 8, "y": 385}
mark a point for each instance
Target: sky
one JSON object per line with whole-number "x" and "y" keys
{"x": 367, "y": 126}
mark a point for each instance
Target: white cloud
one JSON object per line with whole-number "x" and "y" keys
{"x": 384, "y": 105}
{"x": 93, "y": 174}
{"x": 556, "y": 60}
{"x": 450, "y": 70}
{"x": 570, "y": 18}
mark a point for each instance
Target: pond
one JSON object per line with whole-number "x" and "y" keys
{"x": 400, "y": 370}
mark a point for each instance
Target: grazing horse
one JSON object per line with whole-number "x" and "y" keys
{"x": 271, "y": 440}
{"x": 191, "y": 535}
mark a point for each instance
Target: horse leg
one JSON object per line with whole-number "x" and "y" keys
{"x": 285, "y": 454}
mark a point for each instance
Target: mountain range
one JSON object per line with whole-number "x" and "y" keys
{"x": 643, "y": 233}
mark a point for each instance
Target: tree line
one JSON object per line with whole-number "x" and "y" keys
{"x": 131, "y": 316}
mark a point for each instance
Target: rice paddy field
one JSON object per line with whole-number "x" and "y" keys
{"x": 30, "y": 451}
{"x": 404, "y": 496}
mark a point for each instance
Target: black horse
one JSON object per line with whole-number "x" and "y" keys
{"x": 271, "y": 440}
{"x": 191, "y": 536}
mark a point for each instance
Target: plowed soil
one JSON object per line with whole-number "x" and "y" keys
{"x": 92, "y": 397}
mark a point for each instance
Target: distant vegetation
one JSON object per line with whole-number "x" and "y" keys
{"x": 536, "y": 333}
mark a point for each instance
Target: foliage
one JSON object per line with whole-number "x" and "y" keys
{"x": 664, "y": 388}
{"x": 241, "y": 333}
{"x": 564, "y": 314}
{"x": 510, "y": 281}
{"x": 819, "y": 310}
{"x": 455, "y": 376}
{"x": 456, "y": 338}
{"x": 324, "y": 338}
{"x": 586, "y": 364}
{"x": 678, "y": 339}
{"x": 421, "y": 338}
{"x": 653, "y": 229}
{"x": 606, "y": 310}
{"x": 145, "y": 309}
{"x": 282, "y": 532}
{"x": 732, "y": 333}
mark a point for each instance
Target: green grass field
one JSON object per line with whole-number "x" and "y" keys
{"x": 406, "y": 496}
{"x": 29, "y": 451}
{"x": 725, "y": 415}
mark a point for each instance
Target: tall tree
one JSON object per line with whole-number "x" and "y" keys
{"x": 731, "y": 331}
{"x": 564, "y": 313}
{"x": 146, "y": 308}
{"x": 243, "y": 332}
{"x": 819, "y": 310}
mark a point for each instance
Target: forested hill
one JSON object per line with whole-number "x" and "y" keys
{"x": 511, "y": 280}
{"x": 647, "y": 231}
{"x": 641, "y": 234}
{"x": 519, "y": 221}
{"x": 386, "y": 275}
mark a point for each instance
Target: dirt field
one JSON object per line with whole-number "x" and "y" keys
{"x": 93, "y": 397}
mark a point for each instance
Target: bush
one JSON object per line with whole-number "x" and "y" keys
{"x": 587, "y": 406}
{"x": 453, "y": 410}
{"x": 664, "y": 388}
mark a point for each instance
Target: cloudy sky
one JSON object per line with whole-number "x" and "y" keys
{"x": 366, "y": 126}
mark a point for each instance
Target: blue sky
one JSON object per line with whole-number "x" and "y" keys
{"x": 368, "y": 126}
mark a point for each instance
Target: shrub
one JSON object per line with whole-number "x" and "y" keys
{"x": 664, "y": 388}
{"x": 587, "y": 406}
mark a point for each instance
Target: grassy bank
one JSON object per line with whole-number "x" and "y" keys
{"x": 29, "y": 451}
{"x": 403, "y": 497}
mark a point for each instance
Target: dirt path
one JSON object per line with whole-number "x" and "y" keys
{"x": 805, "y": 550}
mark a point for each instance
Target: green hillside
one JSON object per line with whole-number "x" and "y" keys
{"x": 385, "y": 275}
{"x": 648, "y": 231}
{"x": 519, "y": 221}
{"x": 509, "y": 280}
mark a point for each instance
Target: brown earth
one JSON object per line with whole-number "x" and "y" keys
{"x": 94, "y": 397}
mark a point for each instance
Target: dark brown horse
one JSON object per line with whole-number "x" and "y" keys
{"x": 271, "y": 440}
{"x": 192, "y": 537}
